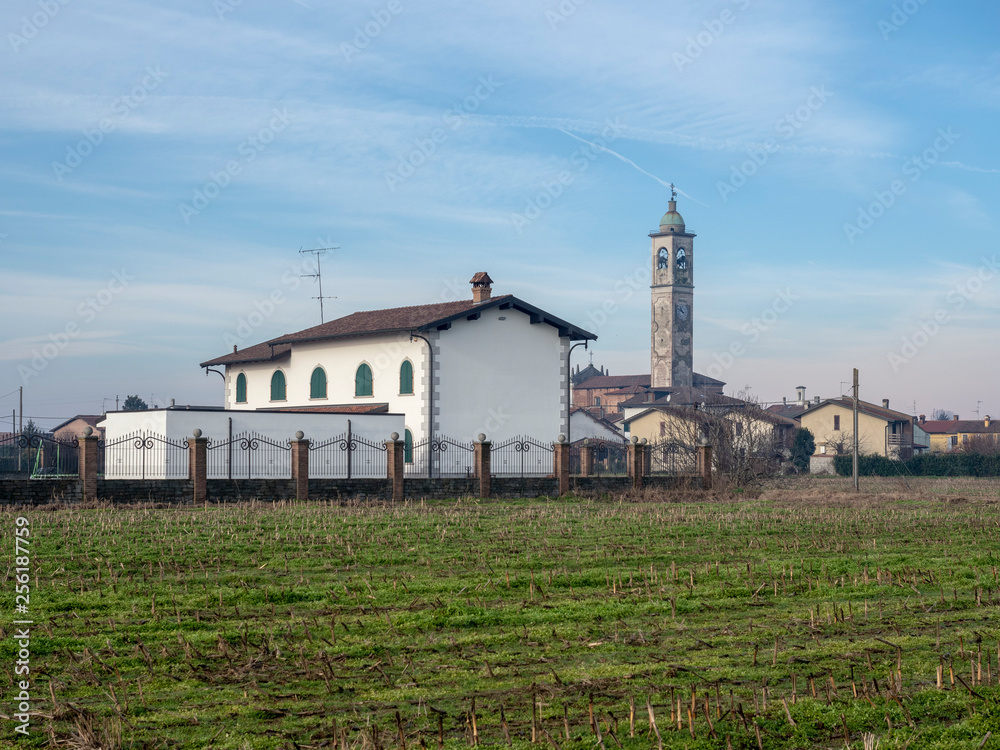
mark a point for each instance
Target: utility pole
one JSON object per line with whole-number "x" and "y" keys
{"x": 856, "y": 486}
{"x": 319, "y": 252}
{"x": 20, "y": 407}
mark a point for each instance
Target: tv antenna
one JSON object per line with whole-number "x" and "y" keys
{"x": 978, "y": 404}
{"x": 319, "y": 252}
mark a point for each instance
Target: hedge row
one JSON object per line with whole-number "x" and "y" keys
{"x": 925, "y": 464}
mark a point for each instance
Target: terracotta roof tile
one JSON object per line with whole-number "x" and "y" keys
{"x": 269, "y": 351}
{"x": 954, "y": 426}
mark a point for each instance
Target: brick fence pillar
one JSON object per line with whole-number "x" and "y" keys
{"x": 482, "y": 456}
{"x": 635, "y": 462}
{"x": 560, "y": 459}
{"x": 198, "y": 466}
{"x": 395, "y": 467}
{"x": 300, "y": 466}
{"x": 647, "y": 456}
{"x": 705, "y": 466}
{"x": 88, "y": 464}
{"x": 586, "y": 459}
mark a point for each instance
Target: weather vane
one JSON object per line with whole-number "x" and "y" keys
{"x": 673, "y": 192}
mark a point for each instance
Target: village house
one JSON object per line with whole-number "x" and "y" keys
{"x": 946, "y": 435}
{"x": 881, "y": 430}
{"x": 493, "y": 365}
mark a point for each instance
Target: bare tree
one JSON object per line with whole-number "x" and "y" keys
{"x": 748, "y": 443}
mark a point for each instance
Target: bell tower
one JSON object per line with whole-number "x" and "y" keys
{"x": 672, "y": 301}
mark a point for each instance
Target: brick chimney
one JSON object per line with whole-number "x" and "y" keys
{"x": 923, "y": 418}
{"x": 954, "y": 417}
{"x": 885, "y": 403}
{"x": 481, "y": 287}
{"x": 986, "y": 422}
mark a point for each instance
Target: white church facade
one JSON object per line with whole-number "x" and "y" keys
{"x": 491, "y": 365}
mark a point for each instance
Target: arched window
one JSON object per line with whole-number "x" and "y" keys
{"x": 363, "y": 381}
{"x": 241, "y": 388}
{"x": 682, "y": 262}
{"x": 407, "y": 447}
{"x": 278, "y": 386}
{"x": 317, "y": 384}
{"x": 406, "y": 377}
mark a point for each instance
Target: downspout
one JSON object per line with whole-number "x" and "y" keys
{"x": 430, "y": 401}
{"x": 569, "y": 438}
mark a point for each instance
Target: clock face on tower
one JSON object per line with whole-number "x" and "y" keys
{"x": 683, "y": 311}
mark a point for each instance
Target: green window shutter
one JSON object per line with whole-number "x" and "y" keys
{"x": 363, "y": 381}
{"x": 407, "y": 447}
{"x": 317, "y": 384}
{"x": 406, "y": 377}
{"x": 241, "y": 388}
{"x": 278, "y": 386}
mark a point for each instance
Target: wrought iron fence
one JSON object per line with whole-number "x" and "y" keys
{"x": 348, "y": 456}
{"x": 610, "y": 457}
{"x": 38, "y": 455}
{"x": 440, "y": 457}
{"x": 143, "y": 455}
{"x": 249, "y": 455}
{"x": 671, "y": 457}
{"x": 522, "y": 456}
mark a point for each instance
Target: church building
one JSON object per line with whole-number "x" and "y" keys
{"x": 672, "y": 379}
{"x": 493, "y": 365}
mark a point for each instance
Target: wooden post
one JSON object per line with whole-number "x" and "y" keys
{"x": 705, "y": 466}
{"x": 395, "y": 466}
{"x": 560, "y": 457}
{"x": 88, "y": 463}
{"x": 586, "y": 459}
{"x": 482, "y": 457}
{"x": 300, "y": 466}
{"x": 198, "y": 466}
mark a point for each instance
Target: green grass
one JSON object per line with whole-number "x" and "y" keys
{"x": 311, "y": 625}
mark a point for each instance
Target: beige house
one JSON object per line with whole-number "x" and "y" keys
{"x": 947, "y": 435}
{"x": 881, "y": 430}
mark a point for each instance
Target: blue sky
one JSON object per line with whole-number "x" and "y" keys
{"x": 163, "y": 164}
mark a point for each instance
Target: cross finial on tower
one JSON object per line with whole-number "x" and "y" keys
{"x": 673, "y": 192}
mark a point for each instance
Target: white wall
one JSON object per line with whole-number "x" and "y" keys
{"x": 582, "y": 425}
{"x": 502, "y": 376}
{"x": 340, "y": 359}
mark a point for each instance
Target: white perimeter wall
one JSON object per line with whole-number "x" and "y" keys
{"x": 500, "y": 377}
{"x": 178, "y": 425}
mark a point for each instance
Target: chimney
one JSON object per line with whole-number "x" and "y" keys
{"x": 171, "y": 403}
{"x": 885, "y": 403}
{"x": 801, "y": 394}
{"x": 986, "y": 422}
{"x": 784, "y": 400}
{"x": 923, "y": 418}
{"x": 954, "y": 417}
{"x": 816, "y": 399}
{"x": 481, "y": 287}
{"x": 234, "y": 348}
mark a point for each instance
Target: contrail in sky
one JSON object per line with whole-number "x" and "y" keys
{"x": 632, "y": 163}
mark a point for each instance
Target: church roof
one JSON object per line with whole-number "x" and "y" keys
{"x": 643, "y": 381}
{"x": 395, "y": 320}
